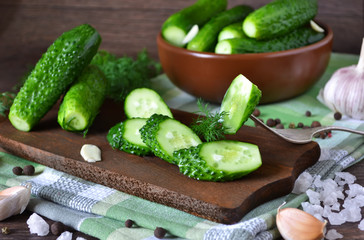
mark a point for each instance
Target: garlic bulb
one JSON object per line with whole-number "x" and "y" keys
{"x": 344, "y": 92}
{"x": 14, "y": 200}
{"x": 295, "y": 224}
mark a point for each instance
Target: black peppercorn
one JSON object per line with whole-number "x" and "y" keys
{"x": 17, "y": 170}
{"x": 337, "y": 116}
{"x": 256, "y": 112}
{"x": 315, "y": 124}
{"x": 308, "y": 114}
{"x": 28, "y": 170}
{"x": 277, "y": 120}
{"x": 300, "y": 125}
{"x": 159, "y": 232}
{"x": 57, "y": 228}
{"x": 129, "y": 223}
{"x": 271, "y": 122}
{"x": 279, "y": 126}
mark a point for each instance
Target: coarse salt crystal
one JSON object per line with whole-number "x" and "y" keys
{"x": 302, "y": 183}
{"x": 354, "y": 190}
{"x": 347, "y": 177}
{"x": 65, "y": 236}
{"x": 332, "y": 234}
{"x": 361, "y": 225}
{"x": 37, "y": 225}
{"x": 80, "y": 238}
{"x": 336, "y": 218}
{"x": 314, "y": 197}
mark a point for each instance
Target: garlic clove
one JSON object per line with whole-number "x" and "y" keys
{"x": 295, "y": 224}
{"x": 14, "y": 200}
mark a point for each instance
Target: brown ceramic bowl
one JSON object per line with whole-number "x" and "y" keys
{"x": 279, "y": 75}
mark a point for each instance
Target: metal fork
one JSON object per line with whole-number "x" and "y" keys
{"x": 302, "y": 136}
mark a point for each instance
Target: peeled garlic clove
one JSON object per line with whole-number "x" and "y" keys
{"x": 13, "y": 201}
{"x": 90, "y": 153}
{"x": 295, "y": 224}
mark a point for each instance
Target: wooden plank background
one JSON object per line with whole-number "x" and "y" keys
{"x": 28, "y": 27}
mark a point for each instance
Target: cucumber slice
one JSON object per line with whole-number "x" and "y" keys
{"x": 125, "y": 136}
{"x": 223, "y": 160}
{"x": 239, "y": 102}
{"x": 143, "y": 103}
{"x": 164, "y": 135}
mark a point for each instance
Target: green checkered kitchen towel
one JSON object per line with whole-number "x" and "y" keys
{"x": 101, "y": 211}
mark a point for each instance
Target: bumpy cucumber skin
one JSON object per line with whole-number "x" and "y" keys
{"x": 298, "y": 38}
{"x": 206, "y": 38}
{"x": 148, "y": 134}
{"x": 280, "y": 17}
{"x": 116, "y": 141}
{"x": 64, "y": 60}
{"x": 198, "y": 13}
{"x": 85, "y": 97}
{"x": 191, "y": 164}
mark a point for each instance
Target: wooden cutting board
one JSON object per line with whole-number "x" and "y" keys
{"x": 154, "y": 179}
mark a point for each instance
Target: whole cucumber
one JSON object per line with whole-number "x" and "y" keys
{"x": 298, "y": 38}
{"x": 176, "y": 27}
{"x": 63, "y": 61}
{"x": 206, "y": 38}
{"x": 279, "y": 17}
{"x": 83, "y": 100}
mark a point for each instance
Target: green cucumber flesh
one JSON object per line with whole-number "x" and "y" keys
{"x": 164, "y": 135}
{"x": 300, "y": 37}
{"x": 278, "y": 18}
{"x": 56, "y": 70}
{"x": 177, "y": 26}
{"x": 231, "y": 31}
{"x": 83, "y": 100}
{"x": 238, "y": 103}
{"x": 206, "y": 38}
{"x": 143, "y": 103}
{"x": 126, "y": 137}
{"x": 223, "y": 160}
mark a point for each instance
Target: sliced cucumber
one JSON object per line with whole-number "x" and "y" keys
{"x": 143, "y": 103}
{"x": 125, "y": 136}
{"x": 164, "y": 135}
{"x": 231, "y": 31}
{"x": 223, "y": 160}
{"x": 238, "y": 103}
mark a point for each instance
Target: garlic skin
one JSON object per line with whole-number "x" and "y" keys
{"x": 344, "y": 92}
{"x": 14, "y": 200}
{"x": 295, "y": 224}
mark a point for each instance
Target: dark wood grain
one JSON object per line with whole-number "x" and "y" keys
{"x": 27, "y": 28}
{"x": 153, "y": 178}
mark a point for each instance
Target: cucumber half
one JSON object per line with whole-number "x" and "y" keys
{"x": 238, "y": 103}
{"x": 223, "y": 160}
{"x": 143, "y": 103}
{"x": 164, "y": 135}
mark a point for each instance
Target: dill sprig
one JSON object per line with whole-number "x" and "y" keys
{"x": 124, "y": 73}
{"x": 6, "y": 100}
{"x": 209, "y": 127}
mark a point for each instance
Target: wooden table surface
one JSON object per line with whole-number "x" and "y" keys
{"x": 27, "y": 28}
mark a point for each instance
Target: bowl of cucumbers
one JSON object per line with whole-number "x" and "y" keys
{"x": 280, "y": 47}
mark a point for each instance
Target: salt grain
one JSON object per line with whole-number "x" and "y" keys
{"x": 347, "y": 177}
{"x": 80, "y": 238}
{"x": 332, "y": 234}
{"x": 314, "y": 197}
{"x": 354, "y": 190}
{"x": 37, "y": 225}
{"x": 361, "y": 225}
{"x": 65, "y": 236}
{"x": 336, "y": 218}
{"x": 302, "y": 183}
